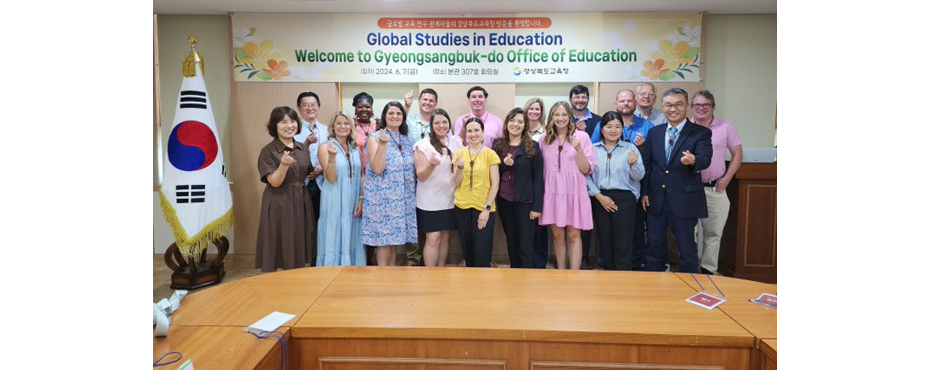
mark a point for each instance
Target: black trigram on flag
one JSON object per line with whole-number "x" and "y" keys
{"x": 193, "y": 99}
{"x": 190, "y": 193}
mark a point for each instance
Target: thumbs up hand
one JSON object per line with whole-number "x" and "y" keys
{"x": 384, "y": 137}
{"x": 633, "y": 156}
{"x": 639, "y": 139}
{"x": 687, "y": 158}
{"x": 575, "y": 143}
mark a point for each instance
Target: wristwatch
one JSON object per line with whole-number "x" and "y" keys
{"x": 487, "y": 207}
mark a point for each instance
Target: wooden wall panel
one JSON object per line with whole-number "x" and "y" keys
{"x": 762, "y": 199}
{"x": 252, "y": 103}
{"x": 607, "y": 93}
{"x": 434, "y": 354}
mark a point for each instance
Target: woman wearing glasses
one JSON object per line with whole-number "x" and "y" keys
{"x": 476, "y": 181}
{"x": 341, "y": 197}
{"x": 567, "y": 157}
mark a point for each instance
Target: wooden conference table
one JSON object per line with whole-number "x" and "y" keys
{"x": 353, "y": 317}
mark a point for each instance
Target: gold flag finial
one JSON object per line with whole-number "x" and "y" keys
{"x": 192, "y": 59}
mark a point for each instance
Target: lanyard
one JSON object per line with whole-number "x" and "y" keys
{"x": 724, "y": 296}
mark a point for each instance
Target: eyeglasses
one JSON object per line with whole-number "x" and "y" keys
{"x": 702, "y": 106}
{"x": 678, "y": 105}
{"x": 646, "y": 94}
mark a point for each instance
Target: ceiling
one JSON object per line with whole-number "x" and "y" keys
{"x": 462, "y": 7}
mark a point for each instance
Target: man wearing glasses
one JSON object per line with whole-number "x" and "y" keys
{"x": 716, "y": 177}
{"x": 672, "y": 191}
{"x": 312, "y": 133}
{"x": 645, "y": 99}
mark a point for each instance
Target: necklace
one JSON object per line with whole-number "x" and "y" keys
{"x": 348, "y": 157}
{"x": 423, "y": 129}
{"x": 391, "y": 134}
{"x": 471, "y": 167}
{"x": 561, "y": 146}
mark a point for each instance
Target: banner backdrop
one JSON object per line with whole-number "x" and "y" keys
{"x": 511, "y": 48}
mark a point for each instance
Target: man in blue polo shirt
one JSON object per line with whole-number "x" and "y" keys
{"x": 634, "y": 131}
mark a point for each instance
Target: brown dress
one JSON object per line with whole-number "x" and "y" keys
{"x": 284, "y": 225}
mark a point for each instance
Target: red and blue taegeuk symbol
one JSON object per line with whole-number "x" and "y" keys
{"x": 191, "y": 146}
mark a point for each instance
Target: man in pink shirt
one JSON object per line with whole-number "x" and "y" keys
{"x": 716, "y": 177}
{"x": 477, "y": 102}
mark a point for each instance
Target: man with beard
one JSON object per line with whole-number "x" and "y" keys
{"x": 584, "y": 119}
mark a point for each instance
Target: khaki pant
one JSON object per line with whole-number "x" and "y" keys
{"x": 710, "y": 229}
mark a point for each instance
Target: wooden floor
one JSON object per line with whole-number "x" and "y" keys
{"x": 432, "y": 318}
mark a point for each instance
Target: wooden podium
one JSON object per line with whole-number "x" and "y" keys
{"x": 748, "y": 249}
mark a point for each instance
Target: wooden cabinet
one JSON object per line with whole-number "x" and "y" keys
{"x": 748, "y": 249}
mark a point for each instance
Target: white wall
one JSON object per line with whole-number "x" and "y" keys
{"x": 741, "y": 72}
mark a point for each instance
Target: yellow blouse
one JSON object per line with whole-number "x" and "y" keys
{"x": 476, "y": 181}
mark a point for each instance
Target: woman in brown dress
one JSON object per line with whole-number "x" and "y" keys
{"x": 283, "y": 229}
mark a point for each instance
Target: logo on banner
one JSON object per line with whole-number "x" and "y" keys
{"x": 191, "y": 146}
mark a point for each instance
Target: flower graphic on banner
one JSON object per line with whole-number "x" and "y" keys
{"x": 255, "y": 53}
{"x": 262, "y": 54}
{"x": 242, "y": 35}
{"x": 654, "y": 69}
{"x": 277, "y": 69}
{"x": 681, "y": 55}
{"x": 686, "y": 33}
{"x": 673, "y": 54}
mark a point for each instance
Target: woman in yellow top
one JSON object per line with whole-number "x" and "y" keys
{"x": 476, "y": 181}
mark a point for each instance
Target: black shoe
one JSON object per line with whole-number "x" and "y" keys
{"x": 706, "y": 271}
{"x": 585, "y": 265}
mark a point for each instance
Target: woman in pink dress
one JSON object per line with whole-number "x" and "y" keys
{"x": 567, "y": 157}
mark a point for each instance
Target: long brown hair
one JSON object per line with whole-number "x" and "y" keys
{"x": 550, "y": 128}
{"x": 433, "y": 140}
{"x": 502, "y": 143}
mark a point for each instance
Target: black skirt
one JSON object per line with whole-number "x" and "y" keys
{"x": 430, "y": 221}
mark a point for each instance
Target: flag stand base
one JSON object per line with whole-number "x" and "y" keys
{"x": 196, "y": 273}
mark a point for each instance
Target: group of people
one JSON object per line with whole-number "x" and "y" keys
{"x": 376, "y": 182}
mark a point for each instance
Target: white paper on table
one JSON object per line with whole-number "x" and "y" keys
{"x": 270, "y": 323}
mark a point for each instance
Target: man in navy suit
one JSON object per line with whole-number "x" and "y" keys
{"x": 673, "y": 194}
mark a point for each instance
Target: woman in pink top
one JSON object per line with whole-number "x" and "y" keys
{"x": 567, "y": 156}
{"x": 364, "y": 122}
{"x": 432, "y": 157}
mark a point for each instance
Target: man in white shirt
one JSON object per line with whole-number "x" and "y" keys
{"x": 312, "y": 133}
